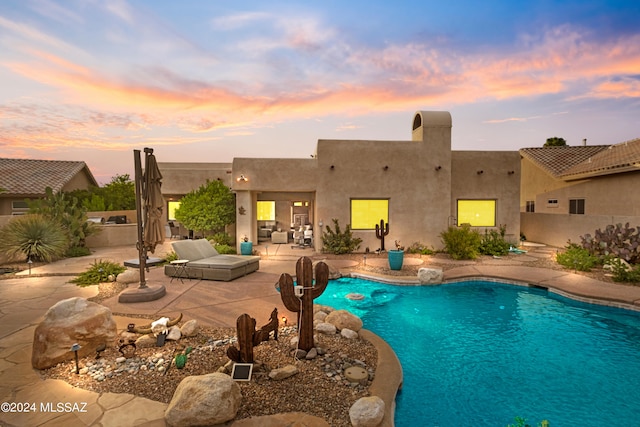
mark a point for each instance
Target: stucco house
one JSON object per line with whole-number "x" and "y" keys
{"x": 418, "y": 186}
{"x": 22, "y": 179}
{"x": 569, "y": 191}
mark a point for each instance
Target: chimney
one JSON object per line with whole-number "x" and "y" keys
{"x": 584, "y": 142}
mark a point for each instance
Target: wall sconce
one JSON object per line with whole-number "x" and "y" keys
{"x": 284, "y": 320}
{"x": 320, "y": 224}
{"x": 480, "y": 172}
{"x": 242, "y": 178}
{"x": 332, "y": 167}
{"x": 511, "y": 172}
{"x": 438, "y": 167}
{"x": 386, "y": 168}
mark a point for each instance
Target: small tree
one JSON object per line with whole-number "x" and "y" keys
{"x": 555, "y": 142}
{"x": 119, "y": 194}
{"x": 461, "y": 242}
{"x": 338, "y": 242}
{"x": 210, "y": 208}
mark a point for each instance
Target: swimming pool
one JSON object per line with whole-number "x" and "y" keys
{"x": 481, "y": 353}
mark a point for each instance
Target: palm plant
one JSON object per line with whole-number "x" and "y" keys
{"x": 34, "y": 236}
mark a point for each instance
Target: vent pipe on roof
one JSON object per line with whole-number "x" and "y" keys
{"x": 584, "y": 142}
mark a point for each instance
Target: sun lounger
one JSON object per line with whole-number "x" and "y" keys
{"x": 206, "y": 263}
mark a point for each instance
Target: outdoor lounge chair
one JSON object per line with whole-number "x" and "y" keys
{"x": 204, "y": 262}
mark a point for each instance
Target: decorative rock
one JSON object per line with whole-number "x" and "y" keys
{"x": 349, "y": 334}
{"x": 430, "y": 275}
{"x": 121, "y": 359}
{"x": 174, "y": 334}
{"x": 320, "y": 315}
{"x": 146, "y": 341}
{"x": 190, "y": 328}
{"x": 70, "y": 321}
{"x": 128, "y": 276}
{"x": 299, "y": 353}
{"x": 283, "y": 373}
{"x": 334, "y": 273}
{"x": 311, "y": 354}
{"x": 367, "y": 412}
{"x": 354, "y": 296}
{"x": 204, "y": 400}
{"x": 343, "y": 319}
{"x": 326, "y": 328}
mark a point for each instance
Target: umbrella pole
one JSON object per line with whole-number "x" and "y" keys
{"x": 142, "y": 255}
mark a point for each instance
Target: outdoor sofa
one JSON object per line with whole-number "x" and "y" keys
{"x": 204, "y": 262}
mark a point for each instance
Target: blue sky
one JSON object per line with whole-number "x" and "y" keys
{"x": 209, "y": 81}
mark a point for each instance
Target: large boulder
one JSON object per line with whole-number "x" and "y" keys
{"x": 342, "y": 319}
{"x": 367, "y": 412}
{"x": 430, "y": 275}
{"x": 71, "y": 321}
{"x": 128, "y": 276}
{"x": 204, "y": 400}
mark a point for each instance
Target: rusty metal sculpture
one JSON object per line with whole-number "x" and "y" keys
{"x": 248, "y": 337}
{"x": 303, "y": 305}
{"x": 381, "y": 231}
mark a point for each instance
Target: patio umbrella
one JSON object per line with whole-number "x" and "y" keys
{"x": 153, "y": 203}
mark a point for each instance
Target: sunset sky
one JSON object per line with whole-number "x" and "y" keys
{"x": 207, "y": 81}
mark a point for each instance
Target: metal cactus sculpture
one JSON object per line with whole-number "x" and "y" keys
{"x": 304, "y": 305}
{"x": 381, "y": 231}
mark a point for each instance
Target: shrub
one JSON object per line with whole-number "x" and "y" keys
{"x": 493, "y": 242}
{"x": 461, "y": 242}
{"x": 623, "y": 272}
{"x": 34, "y": 236}
{"x": 99, "y": 272}
{"x": 420, "y": 248}
{"x": 338, "y": 242}
{"x": 225, "y": 249}
{"x": 171, "y": 256}
{"x": 222, "y": 238}
{"x": 577, "y": 258}
{"x": 76, "y": 251}
{"x": 618, "y": 241}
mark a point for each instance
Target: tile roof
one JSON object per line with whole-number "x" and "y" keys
{"x": 32, "y": 177}
{"x": 556, "y": 160}
{"x": 616, "y": 158}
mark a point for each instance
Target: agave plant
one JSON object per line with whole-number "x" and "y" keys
{"x": 33, "y": 236}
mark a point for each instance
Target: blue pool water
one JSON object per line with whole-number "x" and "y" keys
{"x": 482, "y": 353}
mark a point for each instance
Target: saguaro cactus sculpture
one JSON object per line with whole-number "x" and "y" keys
{"x": 248, "y": 337}
{"x": 304, "y": 305}
{"x": 381, "y": 231}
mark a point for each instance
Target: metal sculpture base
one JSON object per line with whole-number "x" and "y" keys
{"x": 137, "y": 294}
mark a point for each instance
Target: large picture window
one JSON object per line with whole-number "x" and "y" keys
{"x": 478, "y": 213}
{"x": 266, "y": 211}
{"x": 366, "y": 213}
{"x": 171, "y": 210}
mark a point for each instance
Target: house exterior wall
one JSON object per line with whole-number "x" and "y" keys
{"x": 489, "y": 175}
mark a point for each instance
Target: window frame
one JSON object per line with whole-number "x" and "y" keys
{"x": 464, "y": 219}
{"x": 574, "y": 205}
{"x": 356, "y": 225}
{"x": 530, "y": 206}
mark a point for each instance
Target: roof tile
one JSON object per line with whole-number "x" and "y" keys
{"x": 32, "y": 177}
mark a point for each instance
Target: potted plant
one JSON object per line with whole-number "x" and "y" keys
{"x": 246, "y": 247}
{"x": 396, "y": 257}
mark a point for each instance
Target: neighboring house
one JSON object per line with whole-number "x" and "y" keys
{"x": 418, "y": 186}
{"x": 567, "y": 192}
{"x": 24, "y": 179}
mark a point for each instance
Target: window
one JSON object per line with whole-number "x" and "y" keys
{"x": 266, "y": 211}
{"x": 531, "y": 206}
{"x": 576, "y": 206}
{"x": 366, "y": 213}
{"x": 171, "y": 210}
{"x": 478, "y": 213}
{"x": 552, "y": 203}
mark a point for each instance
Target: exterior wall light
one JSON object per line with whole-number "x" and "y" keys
{"x": 480, "y": 172}
{"x": 242, "y": 178}
{"x": 511, "y": 172}
{"x": 332, "y": 167}
{"x": 386, "y": 168}
{"x": 438, "y": 167}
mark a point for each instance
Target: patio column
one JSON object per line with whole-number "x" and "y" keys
{"x": 246, "y": 222}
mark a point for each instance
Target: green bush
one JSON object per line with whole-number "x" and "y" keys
{"x": 577, "y": 258}
{"x": 338, "y": 242}
{"x": 76, "y": 251}
{"x": 99, "y": 272}
{"x": 225, "y": 249}
{"x": 420, "y": 248}
{"x": 461, "y": 242}
{"x": 623, "y": 272}
{"x": 493, "y": 242}
{"x": 35, "y": 237}
{"x": 222, "y": 238}
{"x": 171, "y": 256}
